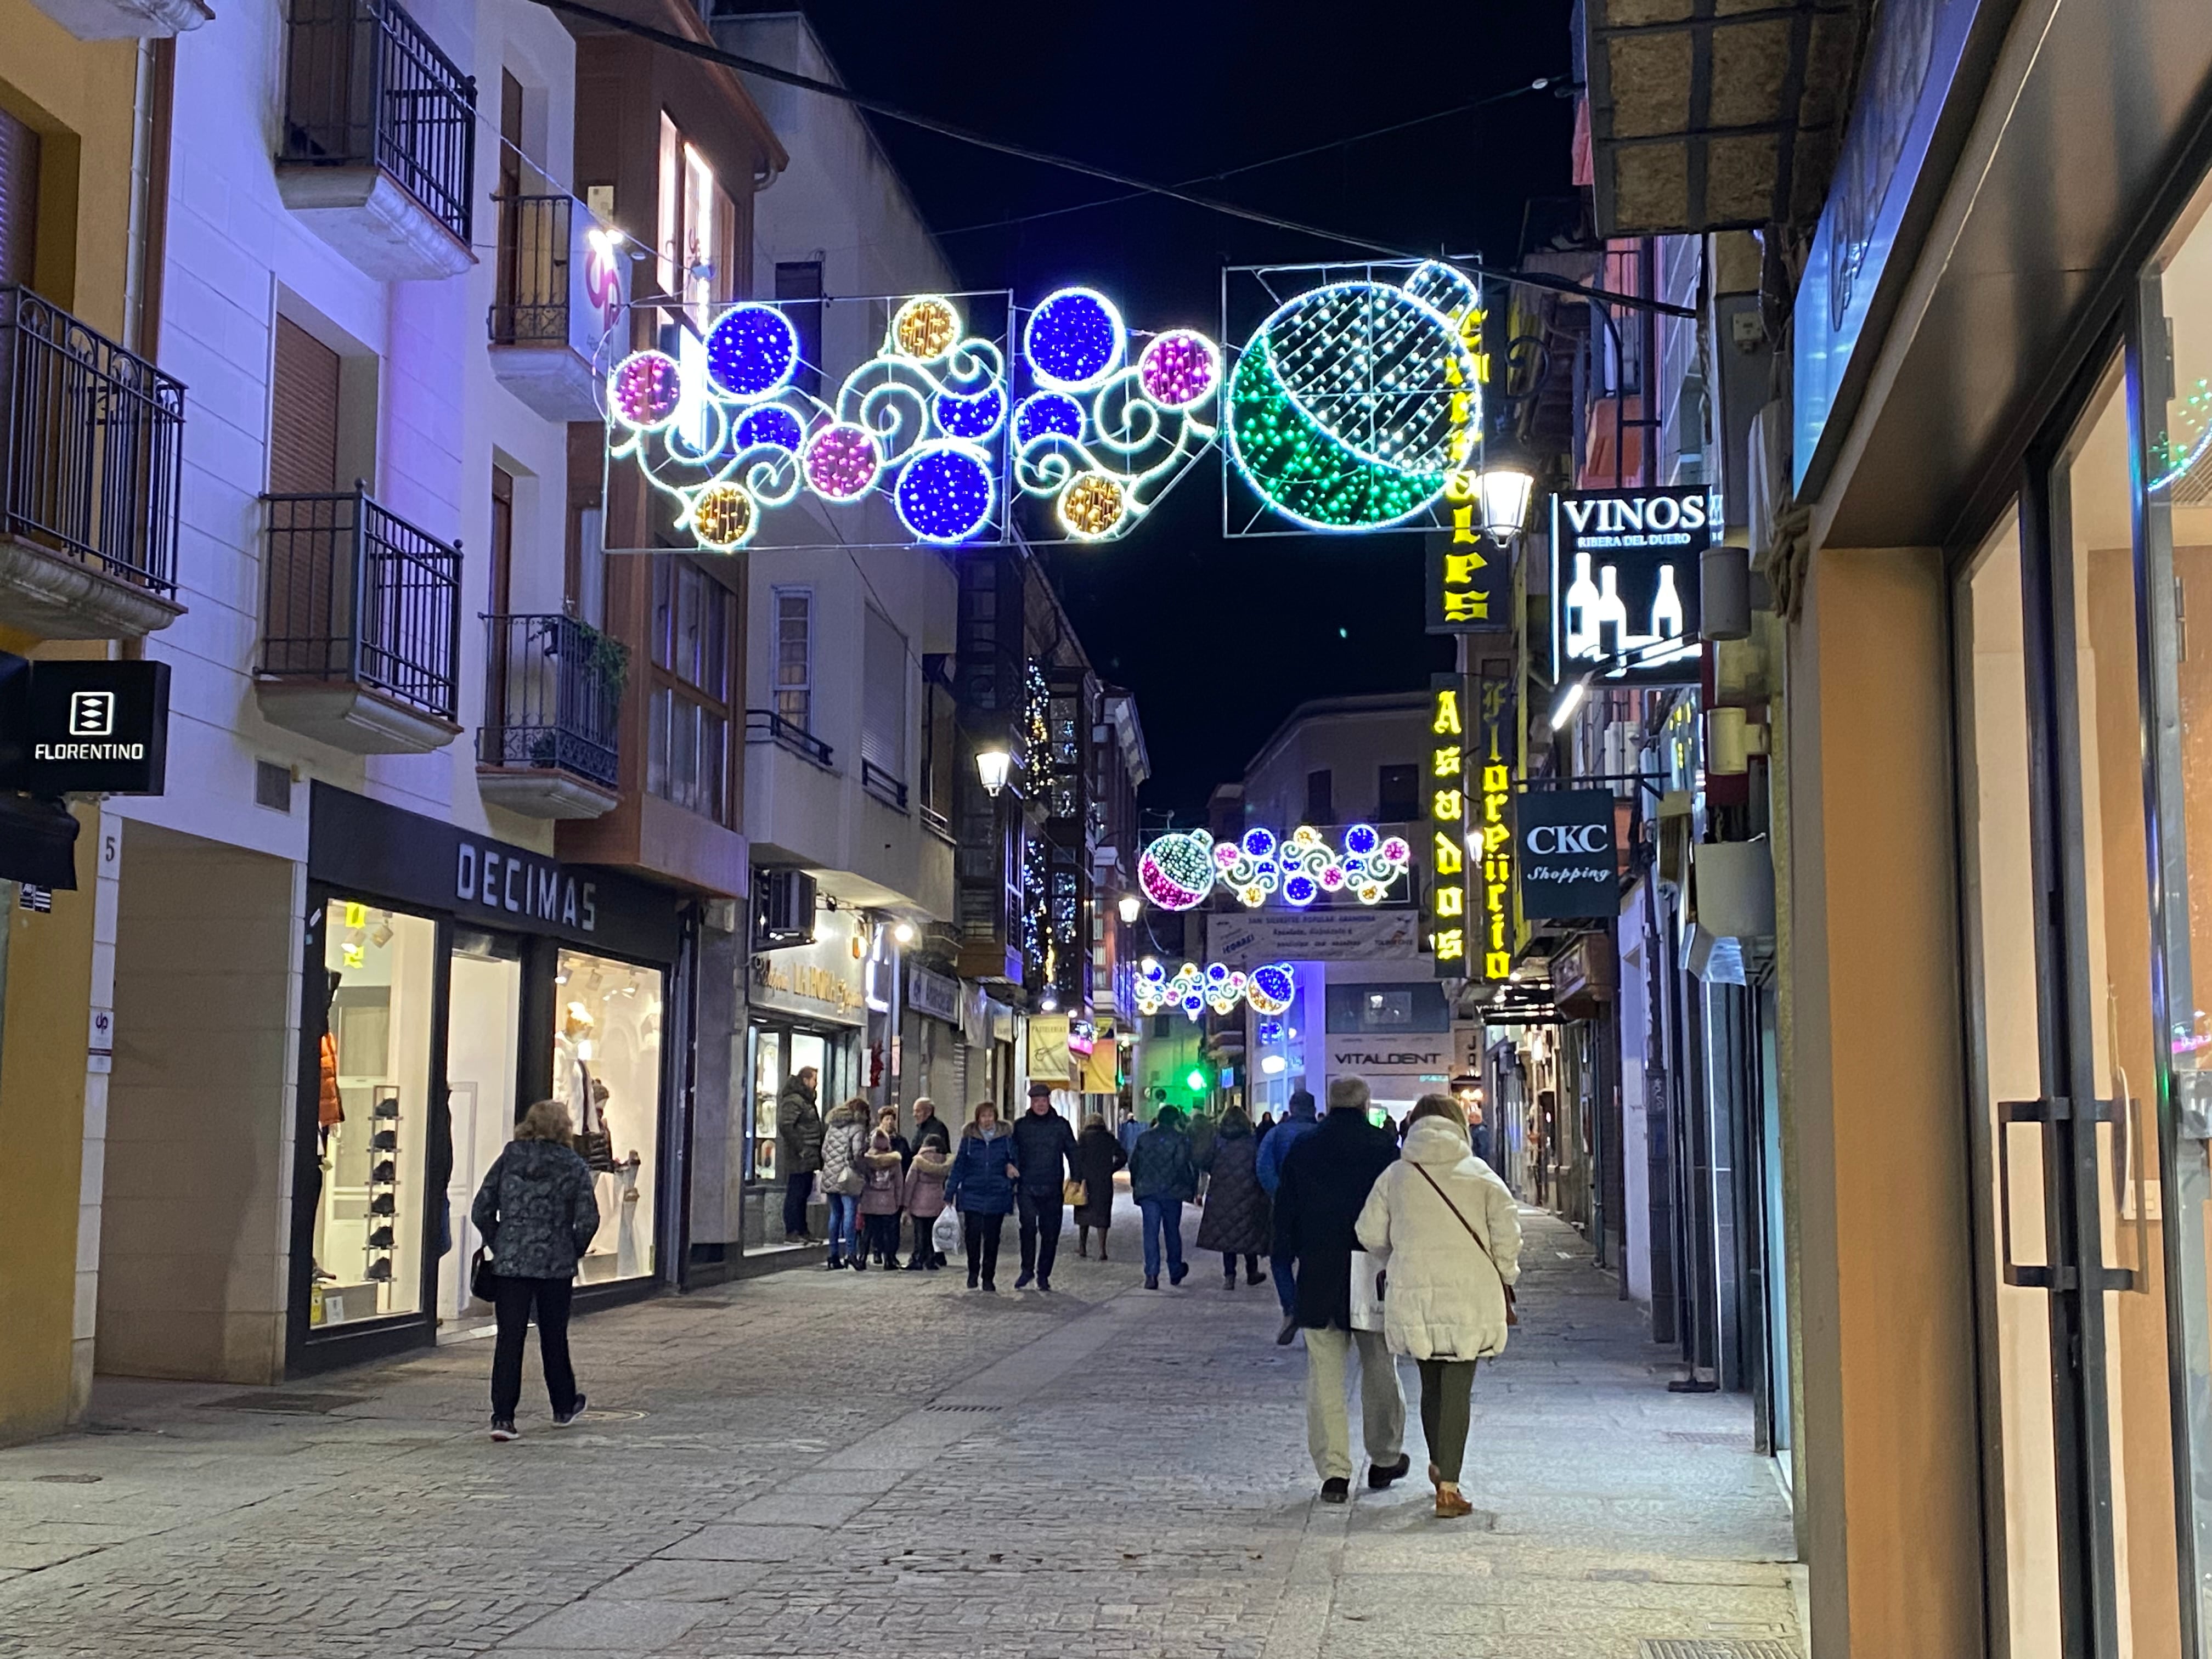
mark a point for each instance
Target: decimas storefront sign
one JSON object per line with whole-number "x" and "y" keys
{"x": 1570, "y": 865}
{"x": 1447, "y": 785}
{"x": 1625, "y": 572}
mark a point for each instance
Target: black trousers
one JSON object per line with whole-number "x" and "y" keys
{"x": 518, "y": 1299}
{"x": 925, "y": 1242}
{"x": 1229, "y": 1264}
{"x": 1039, "y": 1232}
{"x": 881, "y": 1240}
{"x": 983, "y": 1232}
{"x": 797, "y": 1189}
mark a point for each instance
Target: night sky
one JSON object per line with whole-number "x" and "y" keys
{"x": 1219, "y": 638}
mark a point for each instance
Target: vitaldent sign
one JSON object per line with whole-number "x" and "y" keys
{"x": 1625, "y": 568}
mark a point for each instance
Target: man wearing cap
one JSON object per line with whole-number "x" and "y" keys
{"x": 1044, "y": 1152}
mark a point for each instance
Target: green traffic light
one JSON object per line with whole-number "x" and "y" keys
{"x": 1197, "y": 1082}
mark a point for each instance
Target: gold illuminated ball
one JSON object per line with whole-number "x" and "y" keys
{"x": 1092, "y": 505}
{"x": 724, "y": 516}
{"x": 926, "y": 329}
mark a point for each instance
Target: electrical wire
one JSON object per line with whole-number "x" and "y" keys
{"x": 891, "y": 111}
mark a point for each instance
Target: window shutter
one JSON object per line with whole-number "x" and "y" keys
{"x": 19, "y": 199}
{"x": 883, "y": 712}
{"x": 303, "y": 415}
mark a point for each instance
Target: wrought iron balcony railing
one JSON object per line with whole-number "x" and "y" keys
{"x": 552, "y": 694}
{"x": 365, "y": 87}
{"x": 766, "y": 726}
{"x": 355, "y": 593}
{"x": 882, "y": 785}
{"x": 530, "y": 294}
{"x": 92, "y": 451}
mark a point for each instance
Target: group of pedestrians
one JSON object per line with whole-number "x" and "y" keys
{"x": 1392, "y": 1253}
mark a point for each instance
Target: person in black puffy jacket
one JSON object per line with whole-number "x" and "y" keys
{"x": 1044, "y": 1152}
{"x": 537, "y": 1213}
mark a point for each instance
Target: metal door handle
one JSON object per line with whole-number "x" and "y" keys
{"x": 2043, "y": 1113}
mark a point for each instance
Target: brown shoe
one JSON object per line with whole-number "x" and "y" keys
{"x": 1450, "y": 1505}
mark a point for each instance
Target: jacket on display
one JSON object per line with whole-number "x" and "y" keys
{"x": 1162, "y": 1166}
{"x": 1325, "y": 1180}
{"x": 979, "y": 1183}
{"x": 1097, "y": 1155}
{"x": 1235, "y": 1219}
{"x": 883, "y": 1173}
{"x": 1044, "y": 1151}
{"x": 842, "y": 1142}
{"x": 1446, "y": 1293}
{"x": 925, "y": 1180}
{"x": 536, "y": 1211}
{"x": 797, "y": 1130}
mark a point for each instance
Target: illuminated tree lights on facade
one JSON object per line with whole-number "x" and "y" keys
{"x": 1178, "y": 870}
{"x": 1269, "y": 990}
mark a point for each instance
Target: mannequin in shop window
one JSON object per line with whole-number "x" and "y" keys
{"x": 587, "y": 1097}
{"x": 330, "y": 1106}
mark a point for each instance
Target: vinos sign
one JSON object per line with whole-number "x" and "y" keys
{"x": 1625, "y": 568}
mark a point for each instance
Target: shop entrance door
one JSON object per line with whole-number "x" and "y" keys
{"x": 483, "y": 1040}
{"x": 2083, "y": 1020}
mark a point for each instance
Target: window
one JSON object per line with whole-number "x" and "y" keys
{"x": 19, "y": 200}
{"x": 1397, "y": 794}
{"x": 606, "y": 1070}
{"x": 688, "y": 736}
{"x": 801, "y": 281}
{"x": 1383, "y": 1009}
{"x": 883, "y": 703}
{"x": 938, "y": 742}
{"x": 502, "y": 540}
{"x": 794, "y": 655}
{"x": 303, "y": 415}
{"x": 1320, "y": 804}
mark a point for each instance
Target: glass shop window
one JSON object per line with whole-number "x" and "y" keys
{"x": 606, "y": 1068}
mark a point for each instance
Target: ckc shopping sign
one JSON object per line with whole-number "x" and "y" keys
{"x": 1624, "y": 571}
{"x": 1569, "y": 864}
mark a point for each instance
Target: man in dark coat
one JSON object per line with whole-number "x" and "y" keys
{"x": 929, "y": 1129}
{"x": 1163, "y": 1178}
{"x": 1044, "y": 1152}
{"x": 799, "y": 1144}
{"x": 1298, "y": 1121}
{"x": 1324, "y": 1185}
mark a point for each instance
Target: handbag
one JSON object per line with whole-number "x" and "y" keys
{"x": 1368, "y": 1281}
{"x": 483, "y": 1278}
{"x": 1075, "y": 1192}
{"x": 1512, "y": 1311}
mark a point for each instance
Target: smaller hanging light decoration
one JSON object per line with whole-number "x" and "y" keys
{"x": 723, "y": 516}
{"x": 645, "y": 390}
{"x": 1072, "y": 340}
{"x": 1272, "y": 989}
{"x": 842, "y": 462}
{"x": 944, "y": 493}
{"x": 925, "y": 327}
{"x": 1092, "y": 505}
{"x": 1179, "y": 368}
{"x": 772, "y": 425}
{"x": 1177, "y": 871}
{"x": 1044, "y": 413}
{"x": 751, "y": 351}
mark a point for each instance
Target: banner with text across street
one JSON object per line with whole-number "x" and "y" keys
{"x": 1625, "y": 573}
{"x": 1569, "y": 863}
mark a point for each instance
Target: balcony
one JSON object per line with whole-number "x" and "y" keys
{"x": 360, "y": 630}
{"x": 548, "y": 747}
{"x": 766, "y": 726}
{"x": 379, "y": 143}
{"x": 93, "y": 448}
{"x": 557, "y": 291}
{"x": 125, "y": 19}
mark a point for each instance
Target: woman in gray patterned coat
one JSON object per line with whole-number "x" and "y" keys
{"x": 536, "y": 1213}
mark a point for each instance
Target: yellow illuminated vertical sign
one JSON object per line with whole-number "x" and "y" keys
{"x": 1495, "y": 805}
{"x": 1446, "y": 786}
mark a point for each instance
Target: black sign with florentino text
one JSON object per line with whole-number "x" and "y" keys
{"x": 88, "y": 727}
{"x": 1569, "y": 864}
{"x": 1625, "y": 565}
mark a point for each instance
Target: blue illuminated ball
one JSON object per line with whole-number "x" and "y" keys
{"x": 751, "y": 350}
{"x": 1260, "y": 844}
{"x": 1046, "y": 412}
{"x": 773, "y": 425}
{"x": 1301, "y": 891}
{"x": 945, "y": 493}
{"x": 1072, "y": 340}
{"x": 974, "y": 418}
{"x": 1361, "y": 839}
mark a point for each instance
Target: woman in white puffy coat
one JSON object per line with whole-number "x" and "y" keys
{"x": 1448, "y": 1235}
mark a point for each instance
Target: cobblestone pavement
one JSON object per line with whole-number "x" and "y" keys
{"x": 860, "y": 1466}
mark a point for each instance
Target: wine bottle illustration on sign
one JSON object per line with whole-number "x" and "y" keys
{"x": 1610, "y": 611}
{"x": 1581, "y": 603}
{"x": 1667, "y": 608}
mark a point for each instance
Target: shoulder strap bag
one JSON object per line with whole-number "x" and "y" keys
{"x": 1512, "y": 1313}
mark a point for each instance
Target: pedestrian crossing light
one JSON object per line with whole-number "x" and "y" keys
{"x": 1196, "y": 1080}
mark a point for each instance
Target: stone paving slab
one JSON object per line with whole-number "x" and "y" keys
{"x": 839, "y": 1466}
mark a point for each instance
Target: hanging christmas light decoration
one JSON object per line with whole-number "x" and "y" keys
{"x": 1248, "y": 867}
{"x": 726, "y": 429}
{"x": 1351, "y": 404}
{"x": 1177, "y": 871}
{"x": 1303, "y": 866}
{"x": 1104, "y": 437}
{"x": 1224, "y": 988}
{"x": 1269, "y": 990}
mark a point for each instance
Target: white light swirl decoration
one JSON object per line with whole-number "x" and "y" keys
{"x": 1305, "y": 866}
{"x": 725, "y": 430}
{"x": 1107, "y": 431}
{"x": 1269, "y": 990}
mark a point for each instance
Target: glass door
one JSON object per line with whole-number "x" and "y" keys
{"x": 483, "y": 1042}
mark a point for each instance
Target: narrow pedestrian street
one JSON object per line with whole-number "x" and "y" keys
{"x": 853, "y": 1466}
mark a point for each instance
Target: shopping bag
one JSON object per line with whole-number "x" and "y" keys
{"x": 945, "y": 1235}
{"x": 1074, "y": 1192}
{"x": 1368, "y": 1277}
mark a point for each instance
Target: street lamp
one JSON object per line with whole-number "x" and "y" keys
{"x": 1504, "y": 487}
{"x": 904, "y": 933}
{"x": 992, "y": 765}
{"x": 1131, "y": 907}
{"x": 1049, "y": 1001}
